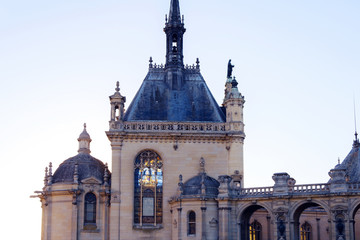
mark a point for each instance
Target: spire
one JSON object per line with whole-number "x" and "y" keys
{"x": 174, "y": 30}
{"x": 84, "y": 141}
{"x": 174, "y": 14}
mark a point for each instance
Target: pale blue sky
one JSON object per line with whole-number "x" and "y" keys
{"x": 297, "y": 63}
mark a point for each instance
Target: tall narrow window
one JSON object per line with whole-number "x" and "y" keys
{"x": 255, "y": 230}
{"x": 191, "y": 223}
{"x": 305, "y": 231}
{"x": 90, "y": 210}
{"x": 148, "y": 189}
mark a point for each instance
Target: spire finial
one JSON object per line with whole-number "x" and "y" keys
{"x": 117, "y": 86}
{"x": 202, "y": 165}
{"x": 150, "y": 62}
{"x": 338, "y": 160}
{"x": 84, "y": 141}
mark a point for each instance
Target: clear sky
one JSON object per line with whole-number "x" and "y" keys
{"x": 297, "y": 64}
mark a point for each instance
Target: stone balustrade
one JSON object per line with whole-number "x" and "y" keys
{"x": 168, "y": 127}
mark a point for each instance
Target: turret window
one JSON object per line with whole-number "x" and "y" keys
{"x": 148, "y": 189}
{"x": 90, "y": 210}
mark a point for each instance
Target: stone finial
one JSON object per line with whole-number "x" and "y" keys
{"x": 76, "y": 173}
{"x": 117, "y": 86}
{"x": 202, "y": 165}
{"x": 203, "y": 187}
{"x": 356, "y": 143}
{"x": 84, "y": 141}
{"x": 46, "y": 177}
{"x": 50, "y": 174}
{"x": 106, "y": 175}
{"x": 180, "y": 185}
{"x": 197, "y": 63}
{"x": 150, "y": 62}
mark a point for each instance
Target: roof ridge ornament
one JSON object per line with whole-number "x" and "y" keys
{"x": 117, "y": 86}
{"x": 202, "y": 165}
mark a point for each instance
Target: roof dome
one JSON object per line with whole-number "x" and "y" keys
{"x": 194, "y": 185}
{"x": 88, "y": 166}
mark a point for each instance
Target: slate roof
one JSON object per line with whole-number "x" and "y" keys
{"x": 88, "y": 167}
{"x": 157, "y": 101}
{"x": 193, "y": 186}
{"x": 352, "y": 164}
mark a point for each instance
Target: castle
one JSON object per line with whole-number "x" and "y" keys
{"x": 177, "y": 171}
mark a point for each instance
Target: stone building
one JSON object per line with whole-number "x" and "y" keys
{"x": 177, "y": 171}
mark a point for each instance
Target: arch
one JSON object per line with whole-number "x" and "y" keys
{"x": 90, "y": 201}
{"x": 299, "y": 204}
{"x": 191, "y": 222}
{"x": 148, "y": 188}
{"x": 354, "y": 215}
{"x": 296, "y": 212}
{"x": 244, "y": 216}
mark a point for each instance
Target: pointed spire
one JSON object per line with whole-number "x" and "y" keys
{"x": 84, "y": 141}
{"x": 174, "y": 14}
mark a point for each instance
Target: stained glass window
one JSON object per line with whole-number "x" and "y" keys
{"x": 148, "y": 188}
{"x": 191, "y": 223}
{"x": 255, "y": 230}
{"x": 305, "y": 231}
{"x": 90, "y": 209}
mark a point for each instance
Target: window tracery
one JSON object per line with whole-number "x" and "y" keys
{"x": 255, "y": 229}
{"x": 305, "y": 231}
{"x": 148, "y": 188}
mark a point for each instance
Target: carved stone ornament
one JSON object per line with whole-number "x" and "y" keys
{"x": 281, "y": 213}
{"x": 213, "y": 223}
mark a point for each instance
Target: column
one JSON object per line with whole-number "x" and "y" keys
{"x": 115, "y": 191}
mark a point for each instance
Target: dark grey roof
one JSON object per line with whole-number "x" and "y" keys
{"x": 190, "y": 101}
{"x": 88, "y": 166}
{"x": 193, "y": 186}
{"x": 352, "y": 164}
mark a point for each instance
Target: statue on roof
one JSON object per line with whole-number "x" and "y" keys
{"x": 230, "y": 69}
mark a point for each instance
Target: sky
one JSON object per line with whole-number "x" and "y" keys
{"x": 297, "y": 64}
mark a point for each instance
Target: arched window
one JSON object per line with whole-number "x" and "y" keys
{"x": 255, "y": 230}
{"x": 191, "y": 223}
{"x": 305, "y": 231}
{"x": 148, "y": 189}
{"x": 90, "y": 210}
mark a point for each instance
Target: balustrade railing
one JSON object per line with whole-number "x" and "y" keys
{"x": 168, "y": 127}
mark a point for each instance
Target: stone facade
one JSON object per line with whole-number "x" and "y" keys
{"x": 177, "y": 171}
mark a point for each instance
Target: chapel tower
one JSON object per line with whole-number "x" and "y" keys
{"x": 172, "y": 124}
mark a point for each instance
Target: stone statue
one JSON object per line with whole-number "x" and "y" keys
{"x": 281, "y": 230}
{"x": 230, "y": 69}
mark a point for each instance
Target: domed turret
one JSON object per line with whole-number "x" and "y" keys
{"x": 83, "y": 165}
